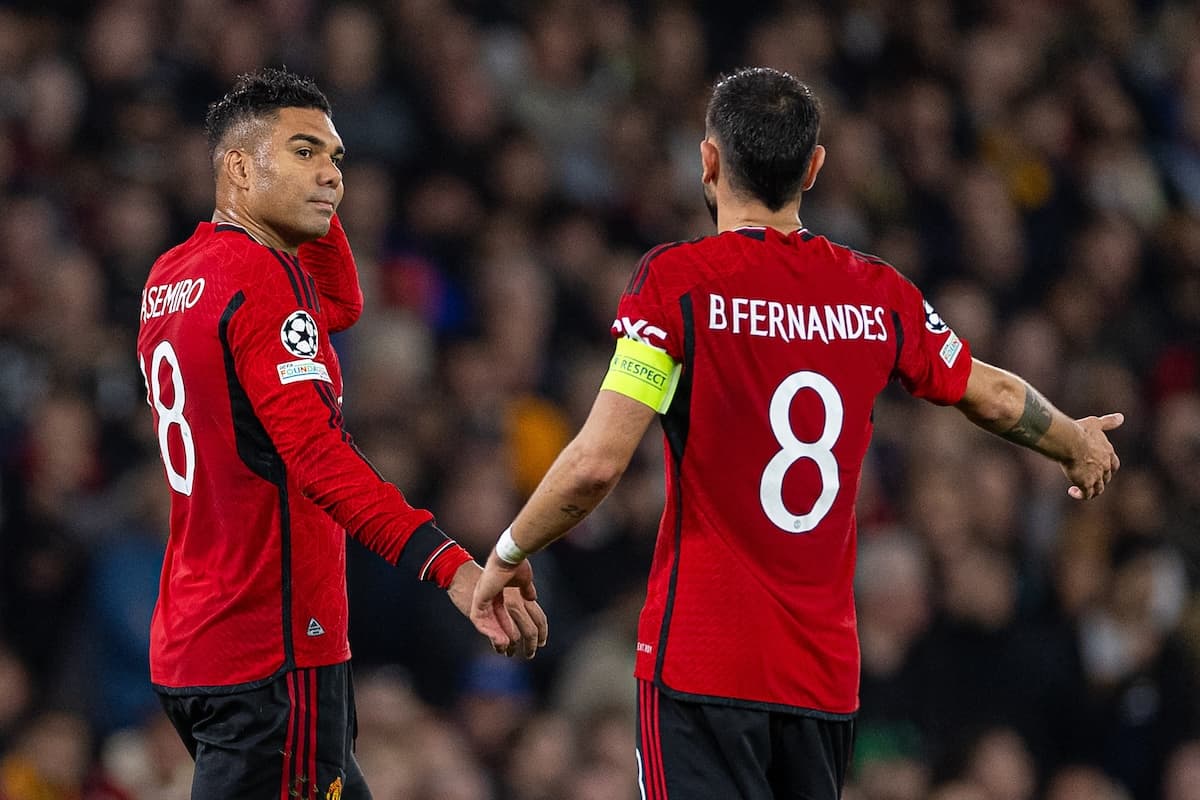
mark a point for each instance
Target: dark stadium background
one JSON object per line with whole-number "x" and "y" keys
{"x": 1033, "y": 164}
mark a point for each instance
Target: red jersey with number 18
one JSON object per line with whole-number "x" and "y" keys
{"x": 784, "y": 342}
{"x": 246, "y": 392}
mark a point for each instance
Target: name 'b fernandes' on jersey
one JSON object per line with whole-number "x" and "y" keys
{"x": 824, "y": 323}
{"x": 792, "y": 322}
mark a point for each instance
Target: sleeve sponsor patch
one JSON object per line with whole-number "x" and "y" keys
{"x": 299, "y": 334}
{"x": 643, "y": 373}
{"x": 302, "y": 370}
{"x": 951, "y": 349}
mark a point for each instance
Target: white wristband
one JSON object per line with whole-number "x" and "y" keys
{"x": 507, "y": 550}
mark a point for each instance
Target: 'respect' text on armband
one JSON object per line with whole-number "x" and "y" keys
{"x": 643, "y": 373}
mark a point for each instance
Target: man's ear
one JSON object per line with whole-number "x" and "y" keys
{"x": 710, "y": 161}
{"x": 236, "y": 166}
{"x": 814, "y": 166}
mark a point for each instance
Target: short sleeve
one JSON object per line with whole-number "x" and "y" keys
{"x": 933, "y": 362}
{"x": 647, "y": 311}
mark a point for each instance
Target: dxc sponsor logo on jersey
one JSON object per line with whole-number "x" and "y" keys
{"x": 640, "y": 331}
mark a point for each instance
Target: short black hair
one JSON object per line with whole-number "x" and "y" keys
{"x": 766, "y": 123}
{"x": 257, "y": 95}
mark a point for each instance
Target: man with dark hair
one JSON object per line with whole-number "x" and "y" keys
{"x": 762, "y": 350}
{"x": 249, "y": 647}
{"x": 764, "y": 163}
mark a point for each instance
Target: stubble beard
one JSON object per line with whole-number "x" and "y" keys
{"x": 293, "y": 227}
{"x": 710, "y": 202}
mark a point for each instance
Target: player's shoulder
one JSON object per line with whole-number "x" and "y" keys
{"x": 213, "y": 247}
{"x": 857, "y": 260}
{"x": 666, "y": 261}
{"x": 660, "y": 259}
{"x": 263, "y": 275}
{"x": 237, "y": 253}
{"x": 862, "y": 266}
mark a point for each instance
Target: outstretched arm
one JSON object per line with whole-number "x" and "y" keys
{"x": 1006, "y": 405}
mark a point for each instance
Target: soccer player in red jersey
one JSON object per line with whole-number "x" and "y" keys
{"x": 249, "y": 647}
{"x": 761, "y": 350}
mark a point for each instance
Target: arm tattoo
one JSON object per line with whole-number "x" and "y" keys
{"x": 573, "y": 511}
{"x": 1034, "y": 421}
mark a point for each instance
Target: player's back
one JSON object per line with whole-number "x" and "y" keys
{"x": 231, "y": 584}
{"x": 785, "y": 343}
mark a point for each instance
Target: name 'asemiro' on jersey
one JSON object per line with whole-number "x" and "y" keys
{"x": 168, "y": 298}
{"x": 790, "y": 321}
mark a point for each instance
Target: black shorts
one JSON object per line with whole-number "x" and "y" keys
{"x": 696, "y": 751}
{"x": 291, "y": 739}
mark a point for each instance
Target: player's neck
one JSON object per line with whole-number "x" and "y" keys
{"x": 786, "y": 220}
{"x": 259, "y": 232}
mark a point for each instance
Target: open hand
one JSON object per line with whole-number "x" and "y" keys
{"x": 1098, "y": 462}
{"x": 510, "y": 616}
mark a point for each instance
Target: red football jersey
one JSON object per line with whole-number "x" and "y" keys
{"x": 784, "y": 344}
{"x": 246, "y": 395}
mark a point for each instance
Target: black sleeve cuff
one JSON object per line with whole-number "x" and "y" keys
{"x": 422, "y": 548}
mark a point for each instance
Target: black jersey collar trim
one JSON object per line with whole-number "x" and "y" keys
{"x": 229, "y": 227}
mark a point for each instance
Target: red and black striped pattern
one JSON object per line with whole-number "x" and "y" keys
{"x": 651, "y": 775}
{"x": 300, "y": 748}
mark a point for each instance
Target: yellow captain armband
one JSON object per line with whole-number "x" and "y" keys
{"x": 643, "y": 373}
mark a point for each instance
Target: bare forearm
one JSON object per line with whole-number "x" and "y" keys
{"x": 1041, "y": 427}
{"x": 1009, "y": 407}
{"x": 585, "y": 472}
{"x": 570, "y": 491}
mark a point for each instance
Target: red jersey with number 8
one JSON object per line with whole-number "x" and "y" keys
{"x": 785, "y": 341}
{"x": 246, "y": 394}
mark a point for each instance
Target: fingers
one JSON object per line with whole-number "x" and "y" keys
{"x": 528, "y": 641}
{"x": 492, "y": 625}
{"x": 1089, "y": 483}
{"x": 504, "y": 609}
{"x": 1092, "y": 473}
{"x": 539, "y": 619}
{"x": 531, "y": 622}
{"x": 523, "y": 579}
{"x": 1076, "y": 493}
{"x": 1087, "y": 491}
{"x": 488, "y": 612}
{"x": 508, "y": 633}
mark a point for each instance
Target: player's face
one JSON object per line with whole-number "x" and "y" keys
{"x": 297, "y": 183}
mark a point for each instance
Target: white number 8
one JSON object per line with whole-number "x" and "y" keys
{"x": 172, "y": 415}
{"x": 820, "y": 452}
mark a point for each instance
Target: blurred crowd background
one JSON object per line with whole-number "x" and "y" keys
{"x": 1034, "y": 165}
